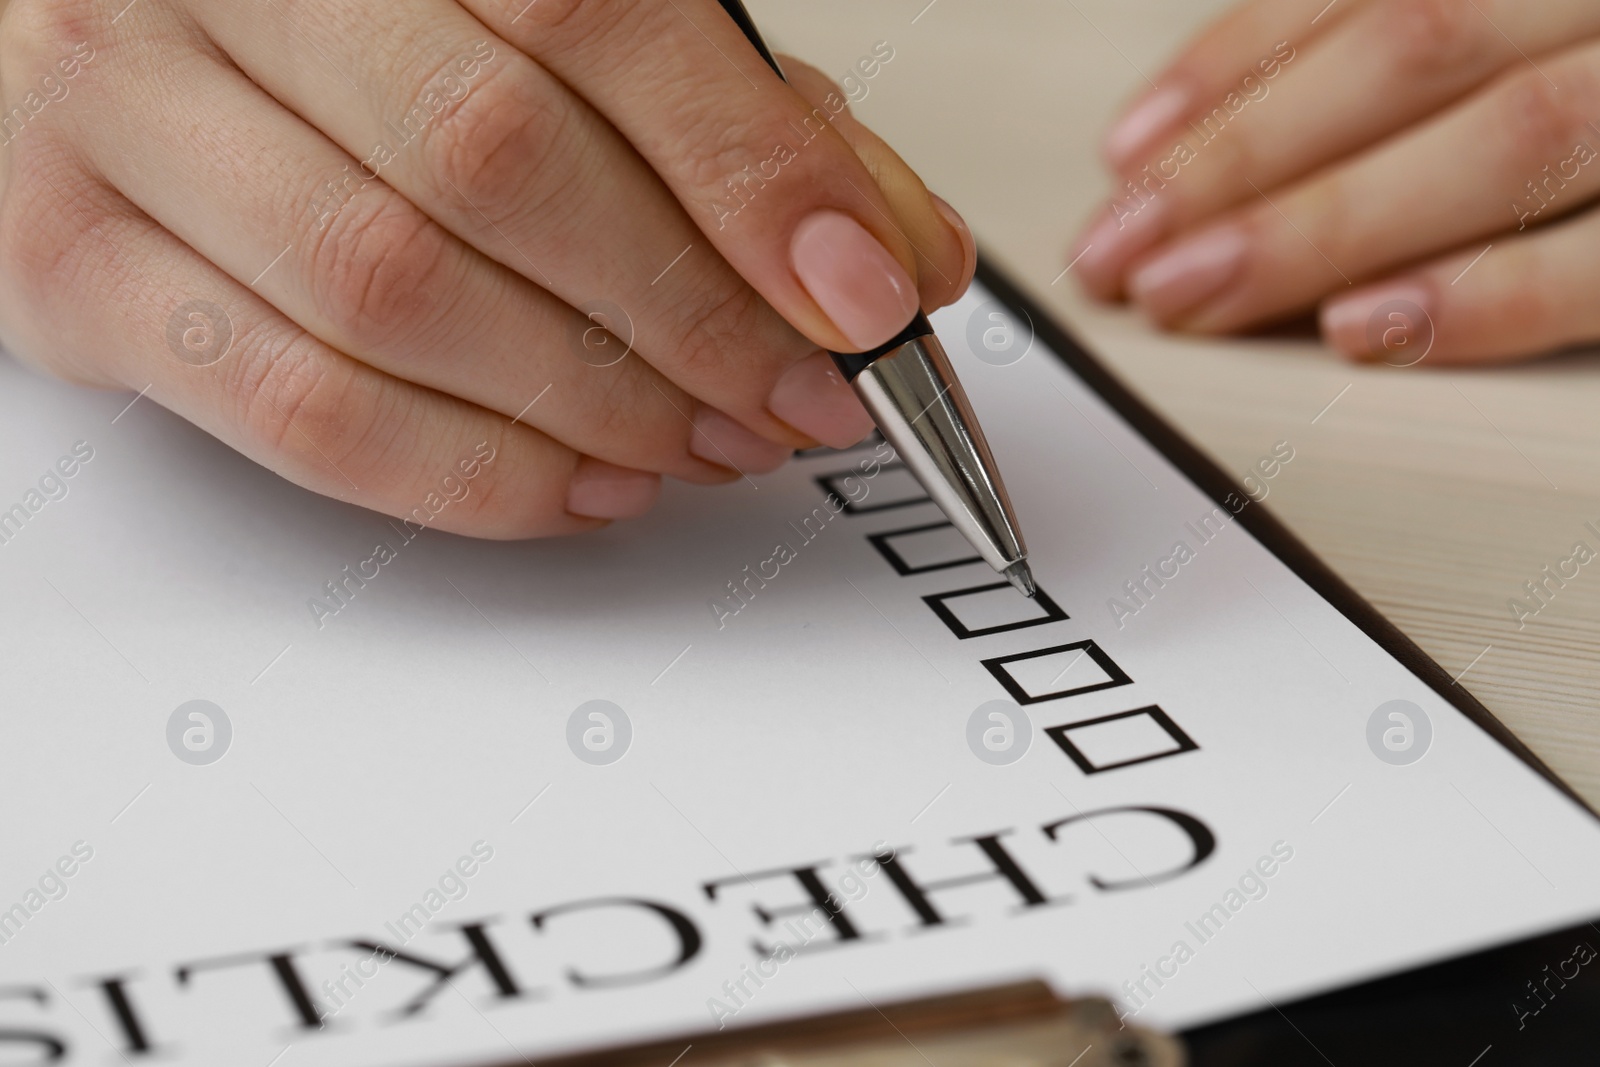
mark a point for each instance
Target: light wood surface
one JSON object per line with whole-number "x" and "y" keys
{"x": 1436, "y": 494}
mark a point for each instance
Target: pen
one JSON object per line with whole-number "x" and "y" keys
{"x": 912, "y": 393}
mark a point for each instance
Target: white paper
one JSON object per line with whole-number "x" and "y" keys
{"x": 374, "y": 748}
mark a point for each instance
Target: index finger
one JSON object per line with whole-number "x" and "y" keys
{"x": 765, "y": 175}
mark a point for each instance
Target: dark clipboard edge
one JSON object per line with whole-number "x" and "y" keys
{"x": 1262, "y": 524}
{"x": 1435, "y": 999}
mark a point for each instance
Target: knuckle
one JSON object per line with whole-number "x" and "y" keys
{"x": 284, "y": 389}
{"x": 1434, "y": 36}
{"x": 501, "y": 131}
{"x": 53, "y": 257}
{"x": 376, "y": 270}
{"x": 46, "y": 47}
{"x": 297, "y": 398}
{"x": 42, "y": 31}
{"x": 716, "y": 154}
{"x": 45, "y": 247}
{"x": 1541, "y": 121}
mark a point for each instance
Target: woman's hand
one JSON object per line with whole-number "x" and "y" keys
{"x": 369, "y": 245}
{"x": 1423, "y": 171}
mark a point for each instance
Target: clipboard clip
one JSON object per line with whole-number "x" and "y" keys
{"x": 1018, "y": 1025}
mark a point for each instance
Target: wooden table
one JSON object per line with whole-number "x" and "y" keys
{"x": 1436, "y": 494}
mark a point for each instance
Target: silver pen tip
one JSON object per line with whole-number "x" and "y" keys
{"x": 1020, "y": 576}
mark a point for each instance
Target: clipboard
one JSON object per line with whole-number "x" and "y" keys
{"x": 1023, "y": 1023}
{"x": 1533, "y": 1002}
{"x": 1510, "y": 998}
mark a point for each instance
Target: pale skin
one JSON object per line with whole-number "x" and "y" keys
{"x": 1376, "y": 150}
{"x": 390, "y": 311}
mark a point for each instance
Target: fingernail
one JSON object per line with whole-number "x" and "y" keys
{"x": 1391, "y": 322}
{"x": 853, "y": 278}
{"x": 1189, "y": 273}
{"x": 600, "y": 490}
{"x": 1131, "y": 136}
{"x": 969, "y": 245}
{"x": 1107, "y": 245}
{"x": 813, "y": 397}
{"x": 720, "y": 440}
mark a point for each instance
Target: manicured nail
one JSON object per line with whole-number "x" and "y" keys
{"x": 1189, "y": 273}
{"x": 853, "y": 278}
{"x": 1120, "y": 232}
{"x": 1133, "y": 135}
{"x": 720, "y": 440}
{"x": 600, "y": 490}
{"x": 969, "y": 245}
{"x": 1392, "y": 322}
{"x": 813, "y": 397}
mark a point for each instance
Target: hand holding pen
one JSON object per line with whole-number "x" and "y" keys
{"x": 365, "y": 252}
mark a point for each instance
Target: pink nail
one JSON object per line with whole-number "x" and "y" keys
{"x": 813, "y": 397}
{"x": 1189, "y": 273}
{"x": 720, "y": 440}
{"x": 1132, "y": 135}
{"x": 600, "y": 490}
{"x": 853, "y": 278}
{"x": 1122, "y": 230}
{"x": 1391, "y": 322}
{"x": 969, "y": 245}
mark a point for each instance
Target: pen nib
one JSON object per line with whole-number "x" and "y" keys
{"x": 1020, "y": 576}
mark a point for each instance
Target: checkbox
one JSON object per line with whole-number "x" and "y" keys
{"x": 1121, "y": 740}
{"x": 1054, "y": 673}
{"x": 992, "y": 609}
{"x": 894, "y": 487}
{"x": 919, "y": 549}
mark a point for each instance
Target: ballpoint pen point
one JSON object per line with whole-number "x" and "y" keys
{"x": 1020, "y": 576}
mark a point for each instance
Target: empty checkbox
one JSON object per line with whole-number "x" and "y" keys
{"x": 894, "y": 487}
{"x": 919, "y": 549}
{"x": 992, "y": 609}
{"x": 1054, "y": 673}
{"x": 1121, "y": 740}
